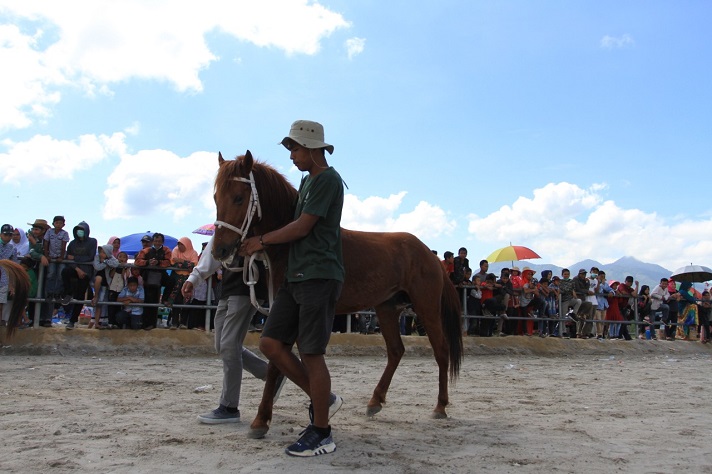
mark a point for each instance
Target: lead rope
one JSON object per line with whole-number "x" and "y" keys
{"x": 251, "y": 275}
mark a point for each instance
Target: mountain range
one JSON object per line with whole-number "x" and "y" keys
{"x": 646, "y": 273}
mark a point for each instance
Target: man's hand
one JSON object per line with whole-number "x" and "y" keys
{"x": 250, "y": 246}
{"x": 187, "y": 291}
{"x": 81, "y": 273}
{"x": 44, "y": 261}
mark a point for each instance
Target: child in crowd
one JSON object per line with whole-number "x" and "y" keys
{"x": 55, "y": 247}
{"x": 474, "y": 305}
{"x": 104, "y": 264}
{"x": 118, "y": 282}
{"x": 552, "y": 300}
{"x": 130, "y": 315}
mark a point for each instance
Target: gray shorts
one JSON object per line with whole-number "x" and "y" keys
{"x": 303, "y": 312}
{"x": 3, "y": 294}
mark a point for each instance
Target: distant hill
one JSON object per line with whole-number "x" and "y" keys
{"x": 646, "y": 273}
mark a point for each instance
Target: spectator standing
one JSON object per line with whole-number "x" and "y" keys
{"x": 118, "y": 283}
{"x": 449, "y": 264}
{"x": 705, "y": 307}
{"x": 613, "y": 313}
{"x": 105, "y": 266}
{"x": 603, "y": 290}
{"x": 7, "y": 252}
{"x": 658, "y": 302}
{"x": 484, "y": 269}
{"x": 185, "y": 258}
{"x": 569, "y": 301}
{"x": 626, "y": 304}
{"x": 79, "y": 269}
{"x": 115, "y": 243}
{"x": 158, "y": 257}
{"x": 687, "y": 311}
{"x": 581, "y": 289}
{"x": 55, "y": 248}
{"x": 644, "y": 311}
{"x": 674, "y": 304}
{"x": 460, "y": 265}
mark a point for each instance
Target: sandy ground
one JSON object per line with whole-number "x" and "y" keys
{"x": 520, "y": 405}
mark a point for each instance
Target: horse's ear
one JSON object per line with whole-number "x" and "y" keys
{"x": 221, "y": 160}
{"x": 248, "y": 161}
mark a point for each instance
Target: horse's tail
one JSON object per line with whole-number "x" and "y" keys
{"x": 452, "y": 324}
{"x": 20, "y": 283}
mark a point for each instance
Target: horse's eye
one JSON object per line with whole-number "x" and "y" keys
{"x": 238, "y": 200}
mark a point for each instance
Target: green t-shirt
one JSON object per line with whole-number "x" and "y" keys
{"x": 318, "y": 255}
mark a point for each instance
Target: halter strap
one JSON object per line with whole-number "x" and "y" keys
{"x": 254, "y": 207}
{"x": 250, "y": 272}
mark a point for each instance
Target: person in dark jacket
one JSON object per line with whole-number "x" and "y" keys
{"x": 79, "y": 269}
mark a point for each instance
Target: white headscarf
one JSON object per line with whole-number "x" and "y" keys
{"x": 23, "y": 248}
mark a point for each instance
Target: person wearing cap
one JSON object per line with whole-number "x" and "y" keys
{"x": 303, "y": 310}
{"x": 79, "y": 270}
{"x": 36, "y": 238}
{"x": 581, "y": 289}
{"x": 626, "y": 304}
{"x": 7, "y": 252}
{"x": 530, "y": 300}
{"x": 55, "y": 246}
{"x": 146, "y": 241}
{"x": 570, "y": 304}
{"x": 155, "y": 255}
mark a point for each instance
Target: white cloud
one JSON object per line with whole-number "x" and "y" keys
{"x": 613, "y": 42}
{"x": 45, "y": 157}
{"x": 378, "y": 214}
{"x": 565, "y": 223}
{"x": 355, "y": 46}
{"x": 172, "y": 186}
{"x": 95, "y": 43}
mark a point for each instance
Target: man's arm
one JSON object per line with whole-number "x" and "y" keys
{"x": 295, "y": 230}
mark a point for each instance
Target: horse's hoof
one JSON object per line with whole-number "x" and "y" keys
{"x": 371, "y": 411}
{"x": 258, "y": 433}
{"x": 437, "y": 415}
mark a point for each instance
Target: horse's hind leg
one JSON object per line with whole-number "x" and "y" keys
{"x": 260, "y": 425}
{"x": 440, "y": 351}
{"x": 390, "y": 329}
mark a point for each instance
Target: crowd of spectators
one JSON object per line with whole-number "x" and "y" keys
{"x": 585, "y": 306}
{"x": 78, "y": 274}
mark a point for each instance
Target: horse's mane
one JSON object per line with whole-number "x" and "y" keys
{"x": 277, "y": 195}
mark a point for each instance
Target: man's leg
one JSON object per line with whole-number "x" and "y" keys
{"x": 232, "y": 334}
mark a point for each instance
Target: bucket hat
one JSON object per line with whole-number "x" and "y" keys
{"x": 41, "y": 223}
{"x": 308, "y": 134}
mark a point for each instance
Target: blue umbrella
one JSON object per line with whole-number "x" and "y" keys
{"x": 131, "y": 244}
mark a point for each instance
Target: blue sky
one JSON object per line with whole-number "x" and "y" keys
{"x": 579, "y": 129}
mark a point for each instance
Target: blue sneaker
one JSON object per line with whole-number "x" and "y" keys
{"x": 220, "y": 415}
{"x": 312, "y": 443}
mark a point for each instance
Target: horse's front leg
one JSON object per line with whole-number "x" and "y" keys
{"x": 260, "y": 425}
{"x": 388, "y": 318}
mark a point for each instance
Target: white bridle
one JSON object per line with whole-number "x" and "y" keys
{"x": 254, "y": 207}
{"x": 250, "y": 272}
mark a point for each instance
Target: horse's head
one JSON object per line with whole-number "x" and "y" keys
{"x": 236, "y": 202}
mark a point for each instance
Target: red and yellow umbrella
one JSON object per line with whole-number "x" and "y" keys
{"x": 512, "y": 253}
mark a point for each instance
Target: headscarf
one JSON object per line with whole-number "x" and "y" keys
{"x": 23, "y": 248}
{"x": 114, "y": 252}
{"x": 190, "y": 254}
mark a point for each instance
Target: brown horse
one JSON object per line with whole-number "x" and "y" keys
{"x": 385, "y": 271}
{"x": 20, "y": 284}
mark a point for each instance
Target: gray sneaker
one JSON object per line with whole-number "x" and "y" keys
{"x": 219, "y": 415}
{"x": 335, "y": 403}
{"x": 312, "y": 443}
